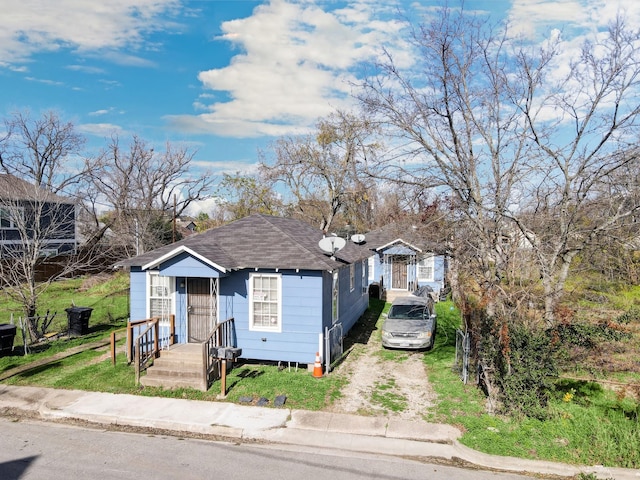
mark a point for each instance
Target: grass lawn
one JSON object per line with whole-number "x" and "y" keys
{"x": 107, "y": 295}
{"x": 587, "y": 424}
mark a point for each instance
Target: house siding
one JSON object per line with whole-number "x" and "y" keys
{"x": 306, "y": 291}
{"x": 57, "y": 220}
{"x": 439, "y": 271}
{"x": 138, "y": 294}
{"x": 185, "y": 265}
{"x": 352, "y": 303}
{"x": 302, "y": 311}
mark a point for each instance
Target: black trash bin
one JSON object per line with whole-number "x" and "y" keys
{"x": 78, "y": 320}
{"x": 7, "y": 334}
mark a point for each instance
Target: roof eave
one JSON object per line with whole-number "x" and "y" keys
{"x": 179, "y": 250}
{"x": 396, "y": 241}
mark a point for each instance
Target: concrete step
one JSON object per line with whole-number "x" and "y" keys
{"x": 391, "y": 295}
{"x": 161, "y": 371}
{"x": 187, "y": 354}
{"x": 178, "y": 362}
{"x": 179, "y": 367}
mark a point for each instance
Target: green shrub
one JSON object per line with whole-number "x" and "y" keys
{"x": 522, "y": 365}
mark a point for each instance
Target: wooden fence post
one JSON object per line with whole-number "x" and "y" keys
{"x": 113, "y": 348}
{"x": 156, "y": 334}
{"x": 129, "y": 342}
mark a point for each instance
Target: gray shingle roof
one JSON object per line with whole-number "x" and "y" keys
{"x": 13, "y": 188}
{"x": 260, "y": 241}
{"x": 389, "y": 233}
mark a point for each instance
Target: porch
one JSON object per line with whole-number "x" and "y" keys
{"x": 182, "y": 365}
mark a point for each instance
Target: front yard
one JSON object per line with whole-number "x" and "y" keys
{"x": 587, "y": 424}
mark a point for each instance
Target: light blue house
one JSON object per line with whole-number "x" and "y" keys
{"x": 267, "y": 273}
{"x": 401, "y": 262}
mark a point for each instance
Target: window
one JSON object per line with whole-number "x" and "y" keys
{"x": 9, "y": 217}
{"x": 265, "y": 302}
{"x": 425, "y": 269}
{"x": 352, "y": 277}
{"x": 364, "y": 277}
{"x": 160, "y": 295}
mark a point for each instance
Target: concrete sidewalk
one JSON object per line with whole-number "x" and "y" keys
{"x": 228, "y": 421}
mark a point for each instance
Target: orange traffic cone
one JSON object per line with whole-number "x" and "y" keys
{"x": 317, "y": 367}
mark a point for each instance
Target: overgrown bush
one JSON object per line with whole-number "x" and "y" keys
{"x": 588, "y": 335}
{"x": 522, "y": 362}
{"x": 630, "y": 316}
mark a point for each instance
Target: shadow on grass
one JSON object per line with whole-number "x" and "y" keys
{"x": 363, "y": 329}
{"x": 366, "y": 325}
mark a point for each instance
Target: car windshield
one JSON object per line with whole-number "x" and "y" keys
{"x": 416, "y": 312}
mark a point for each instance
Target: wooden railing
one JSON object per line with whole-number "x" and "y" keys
{"x": 222, "y": 335}
{"x": 146, "y": 346}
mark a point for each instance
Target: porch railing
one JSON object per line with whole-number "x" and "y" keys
{"x": 146, "y": 345}
{"x": 222, "y": 335}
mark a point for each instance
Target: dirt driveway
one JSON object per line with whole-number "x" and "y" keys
{"x": 382, "y": 382}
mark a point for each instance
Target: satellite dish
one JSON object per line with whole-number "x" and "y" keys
{"x": 357, "y": 238}
{"x": 331, "y": 244}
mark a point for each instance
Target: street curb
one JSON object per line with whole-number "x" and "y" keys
{"x": 320, "y": 431}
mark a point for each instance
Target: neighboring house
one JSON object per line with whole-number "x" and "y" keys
{"x": 31, "y": 214}
{"x": 268, "y": 273}
{"x": 402, "y": 263}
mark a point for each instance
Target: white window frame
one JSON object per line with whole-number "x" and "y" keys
{"x": 371, "y": 264}
{"x": 365, "y": 288}
{"x": 426, "y": 263}
{"x": 9, "y": 214}
{"x": 155, "y": 282}
{"x": 256, "y": 296}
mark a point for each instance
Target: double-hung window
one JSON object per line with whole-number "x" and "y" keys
{"x": 160, "y": 296}
{"x": 425, "y": 269}
{"x": 265, "y": 302}
{"x": 10, "y": 217}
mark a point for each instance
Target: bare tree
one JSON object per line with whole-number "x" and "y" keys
{"x": 35, "y": 224}
{"x": 522, "y": 148}
{"x": 141, "y": 189}
{"x": 45, "y": 151}
{"x": 39, "y": 158}
{"x": 325, "y": 172}
{"x": 244, "y": 195}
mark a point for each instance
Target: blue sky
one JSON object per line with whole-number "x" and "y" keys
{"x": 226, "y": 76}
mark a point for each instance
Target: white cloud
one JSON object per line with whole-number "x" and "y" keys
{"x": 100, "y": 129}
{"x": 296, "y": 63}
{"x": 531, "y": 17}
{"x": 29, "y": 26}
